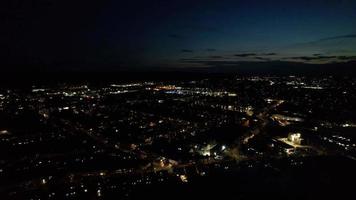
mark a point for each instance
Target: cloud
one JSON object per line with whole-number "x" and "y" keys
{"x": 253, "y": 57}
{"x": 210, "y": 49}
{"x": 274, "y": 67}
{"x": 261, "y": 63}
{"x": 187, "y": 51}
{"x": 211, "y": 62}
{"x": 337, "y": 45}
{"x": 258, "y": 56}
{"x": 262, "y": 58}
{"x": 304, "y": 58}
{"x": 325, "y": 57}
{"x": 268, "y": 54}
{"x": 319, "y": 57}
{"x": 311, "y": 58}
{"x": 245, "y": 55}
{"x": 346, "y": 57}
{"x": 339, "y": 37}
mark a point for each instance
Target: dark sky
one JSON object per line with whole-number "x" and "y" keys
{"x": 114, "y": 34}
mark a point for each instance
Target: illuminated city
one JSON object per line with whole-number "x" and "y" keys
{"x": 121, "y": 139}
{"x": 178, "y": 99}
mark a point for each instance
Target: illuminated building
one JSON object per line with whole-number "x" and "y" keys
{"x": 295, "y": 138}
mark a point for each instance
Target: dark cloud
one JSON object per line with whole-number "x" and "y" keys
{"x": 245, "y": 55}
{"x": 258, "y": 56}
{"x": 320, "y": 57}
{"x": 325, "y": 57}
{"x": 339, "y": 37}
{"x": 269, "y": 54}
{"x": 304, "y": 58}
{"x": 212, "y": 63}
{"x": 210, "y": 49}
{"x": 311, "y": 58}
{"x": 187, "y": 51}
{"x": 335, "y": 45}
{"x": 201, "y": 59}
{"x": 346, "y": 57}
{"x": 276, "y": 67}
{"x": 262, "y": 58}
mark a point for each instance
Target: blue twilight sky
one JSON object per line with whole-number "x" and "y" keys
{"x": 141, "y": 34}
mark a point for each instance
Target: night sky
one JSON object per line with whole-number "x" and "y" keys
{"x": 113, "y": 34}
